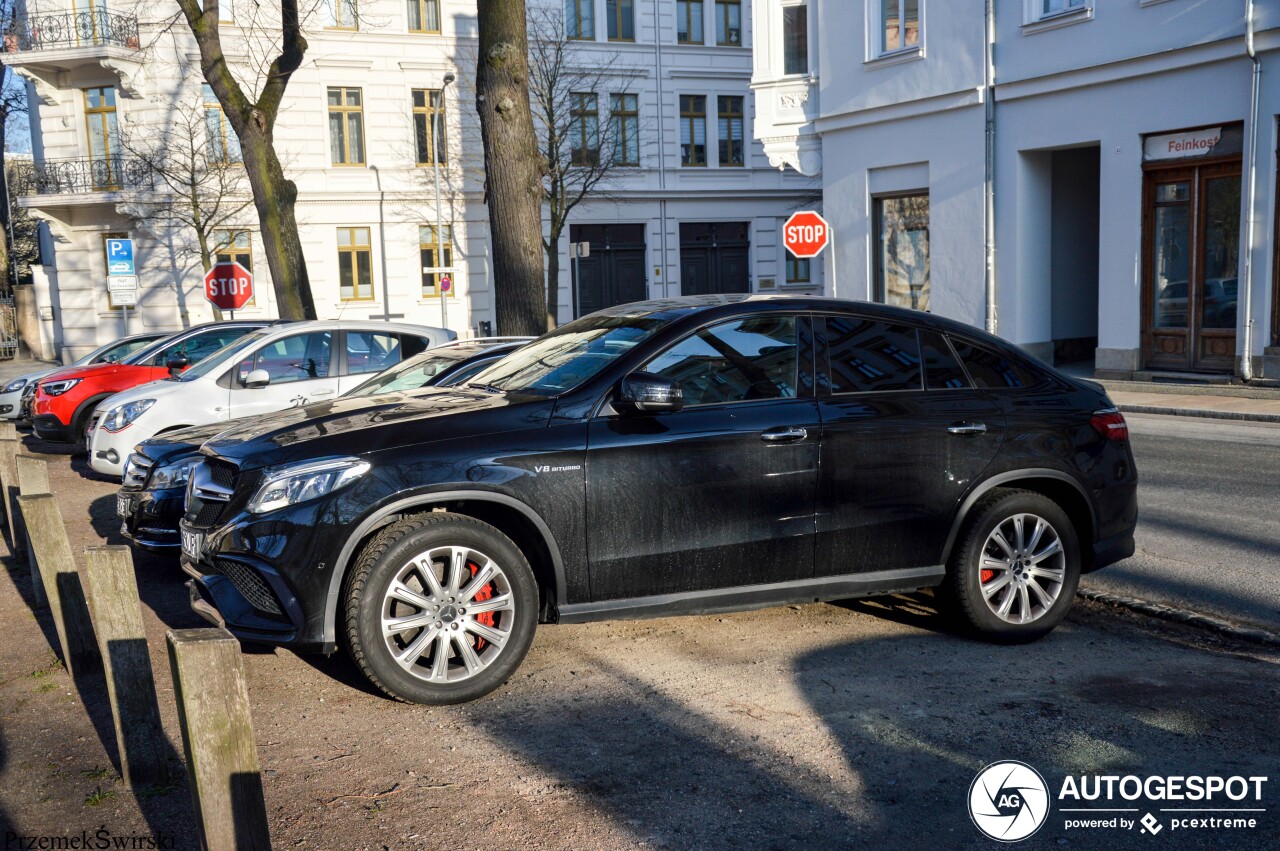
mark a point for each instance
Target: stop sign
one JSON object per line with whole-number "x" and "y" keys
{"x": 805, "y": 234}
{"x": 229, "y": 286}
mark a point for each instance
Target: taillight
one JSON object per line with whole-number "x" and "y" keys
{"x": 1110, "y": 424}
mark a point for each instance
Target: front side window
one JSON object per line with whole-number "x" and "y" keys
{"x": 729, "y": 23}
{"x": 433, "y": 267}
{"x": 902, "y": 251}
{"x": 428, "y": 123}
{"x": 689, "y": 21}
{"x": 622, "y": 19}
{"x": 224, "y": 145}
{"x": 736, "y": 361}
{"x": 870, "y": 356}
{"x": 341, "y": 15}
{"x": 302, "y": 357}
{"x": 584, "y": 128}
{"x": 795, "y": 39}
{"x": 580, "y": 18}
{"x": 730, "y": 109}
{"x": 693, "y": 130}
{"x": 624, "y": 114}
{"x": 424, "y": 16}
{"x": 346, "y": 126}
{"x": 899, "y": 25}
{"x": 355, "y": 264}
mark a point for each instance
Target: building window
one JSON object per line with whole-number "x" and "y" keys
{"x": 580, "y": 18}
{"x": 432, "y": 267}
{"x": 426, "y": 103}
{"x": 899, "y": 25}
{"x": 355, "y": 265}
{"x": 424, "y": 16}
{"x": 346, "y": 126}
{"x": 689, "y": 21}
{"x": 234, "y": 246}
{"x": 730, "y": 113}
{"x": 224, "y": 145}
{"x": 729, "y": 23}
{"x": 584, "y": 128}
{"x": 107, "y": 265}
{"x": 902, "y": 251}
{"x": 799, "y": 271}
{"x": 795, "y": 39}
{"x": 341, "y": 15}
{"x": 693, "y": 130}
{"x": 226, "y": 12}
{"x": 624, "y": 113}
{"x": 104, "y": 137}
{"x": 1048, "y": 8}
{"x": 622, "y": 19}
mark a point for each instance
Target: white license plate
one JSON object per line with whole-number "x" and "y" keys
{"x": 192, "y": 544}
{"x": 124, "y": 505}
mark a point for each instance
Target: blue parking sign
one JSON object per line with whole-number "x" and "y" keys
{"x": 120, "y": 257}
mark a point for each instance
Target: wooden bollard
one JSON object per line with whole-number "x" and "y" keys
{"x": 33, "y": 478}
{"x": 9, "y": 484}
{"x": 62, "y": 586}
{"x": 122, "y": 640}
{"x": 217, "y": 735}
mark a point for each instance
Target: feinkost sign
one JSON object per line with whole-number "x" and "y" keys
{"x": 1172, "y": 146}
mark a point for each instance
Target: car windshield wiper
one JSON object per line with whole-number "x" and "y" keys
{"x": 491, "y": 388}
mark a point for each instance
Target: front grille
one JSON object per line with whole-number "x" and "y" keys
{"x": 222, "y": 474}
{"x": 250, "y": 584}
{"x": 208, "y": 491}
{"x": 209, "y": 513}
{"x": 136, "y": 470}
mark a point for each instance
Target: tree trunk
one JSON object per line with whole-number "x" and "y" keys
{"x": 553, "y": 280}
{"x": 6, "y": 209}
{"x": 513, "y": 168}
{"x": 274, "y": 197}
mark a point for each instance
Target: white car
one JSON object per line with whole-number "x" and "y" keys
{"x": 282, "y": 366}
{"x": 11, "y": 394}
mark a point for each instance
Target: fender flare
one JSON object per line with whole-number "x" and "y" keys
{"x": 1000, "y": 479}
{"x": 86, "y": 407}
{"x": 407, "y": 504}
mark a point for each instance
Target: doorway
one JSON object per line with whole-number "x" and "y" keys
{"x": 614, "y": 271}
{"x": 715, "y": 257}
{"x": 1191, "y": 245}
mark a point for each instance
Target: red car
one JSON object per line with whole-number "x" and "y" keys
{"x": 65, "y": 400}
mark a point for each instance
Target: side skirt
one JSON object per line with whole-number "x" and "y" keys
{"x": 756, "y": 596}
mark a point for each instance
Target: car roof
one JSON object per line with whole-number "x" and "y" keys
{"x": 352, "y": 325}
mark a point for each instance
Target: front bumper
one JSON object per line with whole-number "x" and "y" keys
{"x": 149, "y": 518}
{"x": 108, "y": 451}
{"x": 49, "y": 427}
{"x": 11, "y": 405}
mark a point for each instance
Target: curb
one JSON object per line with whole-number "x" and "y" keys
{"x": 1200, "y": 412}
{"x": 1185, "y": 616}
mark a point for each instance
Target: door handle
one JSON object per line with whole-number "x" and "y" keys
{"x": 968, "y": 428}
{"x": 784, "y": 435}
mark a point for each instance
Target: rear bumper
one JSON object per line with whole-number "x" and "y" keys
{"x": 1111, "y": 550}
{"x": 49, "y": 427}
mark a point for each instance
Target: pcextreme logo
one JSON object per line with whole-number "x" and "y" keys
{"x": 1008, "y": 801}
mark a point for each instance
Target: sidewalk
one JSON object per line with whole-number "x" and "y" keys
{"x": 1172, "y": 402}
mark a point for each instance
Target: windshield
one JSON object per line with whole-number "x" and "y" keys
{"x": 563, "y": 359}
{"x": 221, "y": 356}
{"x": 410, "y": 375}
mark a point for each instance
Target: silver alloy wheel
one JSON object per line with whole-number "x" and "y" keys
{"x": 1022, "y": 569}
{"x": 447, "y": 614}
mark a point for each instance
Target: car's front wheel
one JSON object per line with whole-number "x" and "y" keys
{"x": 1014, "y": 571}
{"x": 440, "y": 608}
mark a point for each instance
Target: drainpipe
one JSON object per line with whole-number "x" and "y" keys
{"x": 989, "y": 177}
{"x": 662, "y": 149}
{"x": 1246, "y": 358}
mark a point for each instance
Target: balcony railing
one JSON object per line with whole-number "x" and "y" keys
{"x": 82, "y": 174}
{"x": 70, "y": 29}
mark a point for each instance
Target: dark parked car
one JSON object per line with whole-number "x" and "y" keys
{"x": 150, "y": 500}
{"x": 691, "y": 455}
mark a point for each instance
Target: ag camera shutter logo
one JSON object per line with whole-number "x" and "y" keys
{"x": 1008, "y": 801}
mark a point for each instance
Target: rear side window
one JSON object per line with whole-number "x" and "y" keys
{"x": 736, "y": 361}
{"x": 868, "y": 356}
{"x": 372, "y": 351}
{"x": 941, "y": 369}
{"x": 990, "y": 369}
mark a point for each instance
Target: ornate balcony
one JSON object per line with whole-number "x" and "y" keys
{"x": 82, "y": 175}
{"x": 43, "y": 47}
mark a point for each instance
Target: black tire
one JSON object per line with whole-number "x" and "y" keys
{"x": 961, "y": 594}
{"x": 385, "y": 556}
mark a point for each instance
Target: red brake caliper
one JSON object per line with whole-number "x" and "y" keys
{"x": 483, "y": 594}
{"x": 986, "y": 575}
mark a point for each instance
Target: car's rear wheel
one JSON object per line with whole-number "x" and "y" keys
{"x": 1014, "y": 573}
{"x": 440, "y": 608}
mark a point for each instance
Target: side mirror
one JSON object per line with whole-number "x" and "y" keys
{"x": 177, "y": 364}
{"x": 651, "y": 394}
{"x": 257, "y": 378}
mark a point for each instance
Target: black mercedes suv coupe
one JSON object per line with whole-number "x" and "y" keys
{"x": 691, "y": 455}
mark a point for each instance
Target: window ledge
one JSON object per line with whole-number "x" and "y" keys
{"x": 897, "y": 57}
{"x": 1151, "y": 2}
{"x": 1060, "y": 19}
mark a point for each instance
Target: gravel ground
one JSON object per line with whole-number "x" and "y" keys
{"x": 858, "y": 725}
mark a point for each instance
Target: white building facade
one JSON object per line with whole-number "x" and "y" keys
{"x": 1106, "y": 167}
{"x": 699, "y": 209}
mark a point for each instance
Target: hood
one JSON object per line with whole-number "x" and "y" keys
{"x": 26, "y": 379}
{"x": 365, "y": 424}
{"x": 97, "y": 370}
{"x": 167, "y": 447}
{"x": 150, "y": 390}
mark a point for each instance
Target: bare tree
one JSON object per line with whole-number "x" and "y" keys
{"x": 251, "y": 99}
{"x": 13, "y": 107}
{"x": 513, "y": 166}
{"x": 566, "y": 88}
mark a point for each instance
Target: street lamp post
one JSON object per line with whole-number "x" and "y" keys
{"x": 435, "y": 168}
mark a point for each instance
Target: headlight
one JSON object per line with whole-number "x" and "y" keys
{"x": 173, "y": 475}
{"x": 295, "y": 483}
{"x": 15, "y": 385}
{"x": 57, "y": 388}
{"x": 122, "y": 416}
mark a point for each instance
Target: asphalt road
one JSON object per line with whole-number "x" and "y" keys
{"x": 1209, "y": 519}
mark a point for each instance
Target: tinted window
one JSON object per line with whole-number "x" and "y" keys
{"x": 867, "y": 356}
{"x": 941, "y": 369}
{"x": 199, "y": 346}
{"x": 371, "y": 351}
{"x": 989, "y": 368}
{"x": 736, "y": 361}
{"x": 469, "y": 371}
{"x": 121, "y": 350}
{"x": 301, "y": 357}
{"x": 410, "y": 375}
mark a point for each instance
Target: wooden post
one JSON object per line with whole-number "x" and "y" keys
{"x": 122, "y": 640}
{"x": 33, "y": 478}
{"x": 52, "y": 552}
{"x": 217, "y": 735}
{"x": 9, "y": 482}
{"x": 8, "y": 431}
